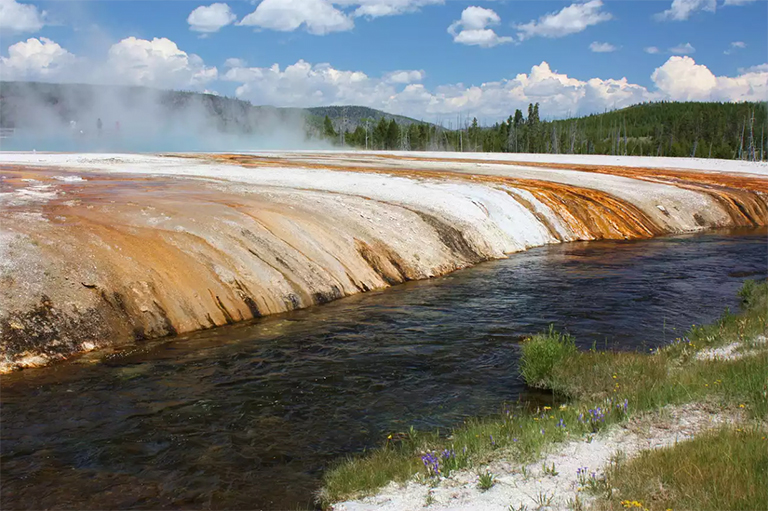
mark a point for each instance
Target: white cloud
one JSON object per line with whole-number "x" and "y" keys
{"x": 760, "y": 68}
{"x": 734, "y": 46}
{"x": 570, "y": 20}
{"x": 36, "y": 59}
{"x": 304, "y": 84}
{"x": 738, "y": 2}
{"x": 158, "y": 63}
{"x": 210, "y": 18}
{"x": 472, "y": 29}
{"x": 235, "y": 63}
{"x": 681, "y": 10}
{"x": 680, "y": 78}
{"x": 652, "y": 50}
{"x": 17, "y": 18}
{"x": 413, "y": 76}
{"x": 378, "y": 8}
{"x": 602, "y": 47}
{"x": 318, "y": 17}
{"x": 682, "y": 49}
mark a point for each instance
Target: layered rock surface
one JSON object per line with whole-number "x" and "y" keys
{"x": 103, "y": 249}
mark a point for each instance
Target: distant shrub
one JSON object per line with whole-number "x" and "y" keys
{"x": 753, "y": 294}
{"x": 542, "y": 353}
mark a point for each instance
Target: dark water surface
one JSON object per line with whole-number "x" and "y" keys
{"x": 247, "y": 417}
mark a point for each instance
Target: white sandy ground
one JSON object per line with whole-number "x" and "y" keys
{"x": 528, "y": 488}
{"x": 502, "y": 223}
{"x": 705, "y": 164}
{"x": 733, "y": 351}
{"x": 519, "y": 487}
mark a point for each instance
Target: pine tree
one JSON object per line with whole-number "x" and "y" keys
{"x": 328, "y": 130}
{"x": 393, "y": 135}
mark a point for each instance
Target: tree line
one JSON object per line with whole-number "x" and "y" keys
{"x": 689, "y": 129}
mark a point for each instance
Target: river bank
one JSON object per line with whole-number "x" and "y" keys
{"x": 651, "y": 431}
{"x": 99, "y": 250}
{"x": 251, "y": 415}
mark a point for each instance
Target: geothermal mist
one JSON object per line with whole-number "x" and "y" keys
{"x": 65, "y": 117}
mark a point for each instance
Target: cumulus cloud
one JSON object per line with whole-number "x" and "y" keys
{"x": 602, "y": 47}
{"x": 653, "y": 50}
{"x": 232, "y": 62}
{"x": 36, "y": 59}
{"x": 413, "y": 76}
{"x": 157, "y": 63}
{"x": 681, "y": 10}
{"x": 736, "y": 45}
{"x": 682, "y": 49}
{"x": 304, "y": 84}
{"x": 472, "y": 29}
{"x": 682, "y": 79}
{"x": 17, "y": 18}
{"x": 210, "y": 18}
{"x": 738, "y": 2}
{"x": 161, "y": 63}
{"x": 378, "y": 8}
{"x": 318, "y": 17}
{"x": 760, "y": 68}
{"x": 569, "y": 20}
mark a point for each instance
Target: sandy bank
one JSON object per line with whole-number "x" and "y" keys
{"x": 532, "y": 487}
{"x": 100, "y": 249}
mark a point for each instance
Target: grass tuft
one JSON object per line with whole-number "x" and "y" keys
{"x": 542, "y": 353}
{"x": 722, "y": 469}
{"x": 485, "y": 480}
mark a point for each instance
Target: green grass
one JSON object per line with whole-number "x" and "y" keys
{"x": 602, "y": 388}
{"x": 485, "y": 480}
{"x": 542, "y": 353}
{"x": 718, "y": 470}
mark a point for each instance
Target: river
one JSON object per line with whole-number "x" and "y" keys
{"x": 248, "y": 416}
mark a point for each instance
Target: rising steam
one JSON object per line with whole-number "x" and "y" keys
{"x": 87, "y": 118}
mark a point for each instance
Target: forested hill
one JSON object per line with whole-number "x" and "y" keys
{"x": 353, "y": 116}
{"x": 28, "y": 104}
{"x": 698, "y": 129}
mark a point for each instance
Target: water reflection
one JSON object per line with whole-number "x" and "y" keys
{"x": 248, "y": 416}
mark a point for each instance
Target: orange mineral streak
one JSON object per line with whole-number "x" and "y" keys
{"x": 589, "y": 213}
{"x": 739, "y": 194}
{"x": 118, "y": 256}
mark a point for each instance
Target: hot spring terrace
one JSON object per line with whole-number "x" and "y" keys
{"x": 102, "y": 249}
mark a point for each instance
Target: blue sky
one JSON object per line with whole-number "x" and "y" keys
{"x": 459, "y": 58}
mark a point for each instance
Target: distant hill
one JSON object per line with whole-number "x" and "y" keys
{"x": 354, "y": 116}
{"x": 32, "y": 104}
{"x": 41, "y": 105}
{"x": 665, "y": 128}
{"x": 154, "y": 119}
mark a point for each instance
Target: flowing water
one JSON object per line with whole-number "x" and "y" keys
{"x": 248, "y": 416}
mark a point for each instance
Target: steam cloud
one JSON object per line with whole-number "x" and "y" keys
{"x": 65, "y": 117}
